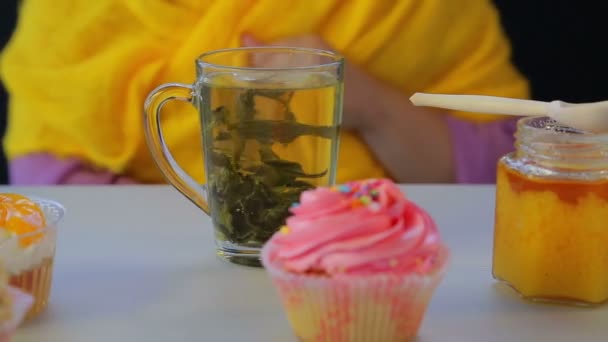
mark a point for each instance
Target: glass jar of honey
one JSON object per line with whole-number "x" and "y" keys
{"x": 551, "y": 228}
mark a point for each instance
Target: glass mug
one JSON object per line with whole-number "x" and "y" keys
{"x": 270, "y": 119}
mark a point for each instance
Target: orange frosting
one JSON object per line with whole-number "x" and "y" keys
{"x": 22, "y": 217}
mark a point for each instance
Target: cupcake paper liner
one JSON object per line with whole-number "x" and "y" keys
{"x": 21, "y": 303}
{"x": 381, "y": 307}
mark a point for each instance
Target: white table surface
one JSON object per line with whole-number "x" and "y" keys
{"x": 137, "y": 263}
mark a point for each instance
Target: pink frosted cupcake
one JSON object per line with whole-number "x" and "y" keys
{"x": 356, "y": 262}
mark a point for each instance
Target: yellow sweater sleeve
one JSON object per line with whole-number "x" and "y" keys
{"x": 72, "y": 69}
{"x": 436, "y": 46}
{"x": 78, "y": 71}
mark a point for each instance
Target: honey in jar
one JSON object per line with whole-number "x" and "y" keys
{"x": 551, "y": 228}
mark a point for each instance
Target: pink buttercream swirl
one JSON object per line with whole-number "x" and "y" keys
{"x": 358, "y": 228}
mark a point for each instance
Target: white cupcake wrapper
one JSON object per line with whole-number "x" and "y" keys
{"x": 21, "y": 303}
{"x": 382, "y": 307}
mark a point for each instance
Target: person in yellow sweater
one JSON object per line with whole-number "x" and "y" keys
{"x": 78, "y": 71}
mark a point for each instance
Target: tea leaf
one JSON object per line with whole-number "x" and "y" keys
{"x": 249, "y": 203}
{"x": 279, "y": 131}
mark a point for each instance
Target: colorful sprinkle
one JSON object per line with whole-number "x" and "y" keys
{"x": 294, "y": 205}
{"x": 356, "y": 204}
{"x": 344, "y": 188}
{"x": 393, "y": 263}
{"x": 285, "y": 230}
{"x": 365, "y": 199}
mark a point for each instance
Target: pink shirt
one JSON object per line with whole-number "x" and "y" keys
{"x": 45, "y": 169}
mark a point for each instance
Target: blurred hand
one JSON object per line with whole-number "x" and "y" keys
{"x": 361, "y": 91}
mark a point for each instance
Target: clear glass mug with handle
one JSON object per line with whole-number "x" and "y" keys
{"x": 270, "y": 121}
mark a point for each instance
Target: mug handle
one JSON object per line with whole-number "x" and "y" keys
{"x": 163, "y": 158}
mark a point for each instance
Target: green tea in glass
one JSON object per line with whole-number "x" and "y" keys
{"x": 270, "y": 119}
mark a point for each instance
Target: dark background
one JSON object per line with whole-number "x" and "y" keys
{"x": 8, "y": 13}
{"x": 559, "y": 45}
